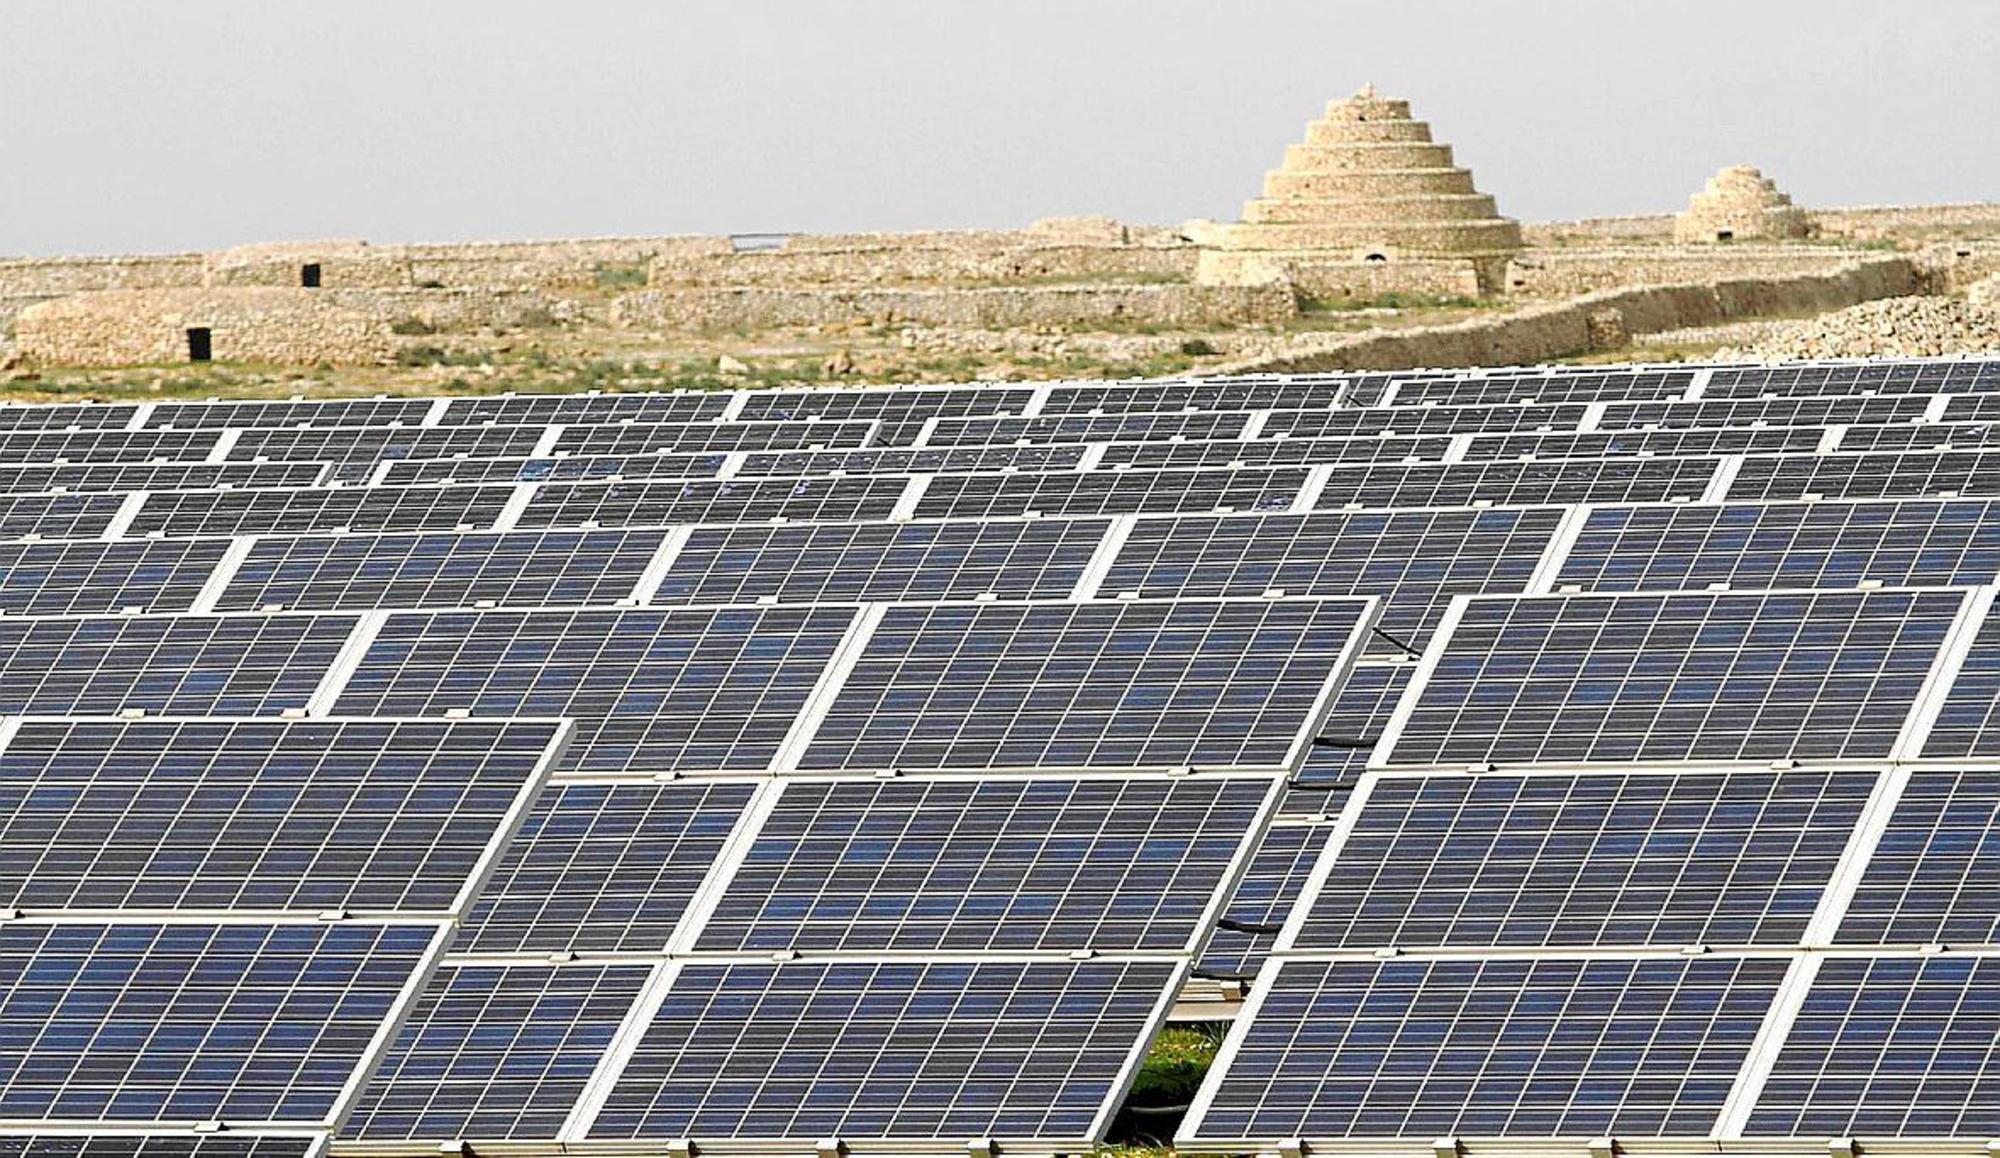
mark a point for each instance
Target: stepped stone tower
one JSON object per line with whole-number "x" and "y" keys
{"x": 1367, "y": 185}
{"x": 1739, "y": 203}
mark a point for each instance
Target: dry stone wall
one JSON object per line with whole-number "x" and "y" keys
{"x": 242, "y": 324}
{"x": 700, "y": 310}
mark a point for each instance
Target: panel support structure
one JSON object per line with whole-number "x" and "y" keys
{"x": 845, "y": 656}
{"x": 658, "y": 566}
{"x": 1090, "y": 583}
{"x": 368, "y": 625}
{"x": 225, "y": 570}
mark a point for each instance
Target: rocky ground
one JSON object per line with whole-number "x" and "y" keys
{"x": 1910, "y": 327}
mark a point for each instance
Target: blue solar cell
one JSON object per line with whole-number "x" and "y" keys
{"x": 1264, "y": 897}
{"x": 180, "y": 665}
{"x": 1934, "y": 877}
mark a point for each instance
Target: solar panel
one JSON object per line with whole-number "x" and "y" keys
{"x": 1543, "y": 1048}
{"x": 604, "y": 867}
{"x": 1745, "y": 545}
{"x": 1633, "y": 860}
{"x": 1890, "y": 1048}
{"x": 1084, "y": 493}
{"x": 358, "y": 572}
{"x": 1574, "y": 385}
{"x": 1264, "y": 896}
{"x": 650, "y": 691}
{"x": 353, "y": 451}
{"x": 40, "y": 448}
{"x": 1206, "y": 683}
{"x": 1919, "y": 436}
{"x": 1424, "y": 420}
{"x": 496, "y": 1052}
{"x": 860, "y": 1050}
{"x": 1787, "y": 675}
{"x": 85, "y": 415}
{"x": 1415, "y": 560}
{"x": 901, "y": 411}
{"x": 157, "y": 476}
{"x": 244, "y": 512}
{"x": 822, "y": 562}
{"x": 575, "y": 468}
{"x": 232, "y": 1145}
{"x": 244, "y": 1023}
{"x": 1088, "y": 428}
{"x": 1583, "y": 480}
{"x": 640, "y": 438}
{"x": 1293, "y": 392}
{"x": 663, "y": 503}
{"x": 212, "y": 814}
{"x": 1932, "y": 875}
{"x": 189, "y": 665}
{"x": 1920, "y": 474}
{"x": 542, "y": 409}
{"x": 1968, "y": 724}
{"x": 1361, "y": 712}
{"x": 325, "y": 412}
{"x": 1646, "y": 443}
{"x": 1851, "y": 378}
{"x": 1839, "y": 411}
{"x": 1277, "y": 452}
{"x": 65, "y": 578}
{"x": 976, "y": 866}
{"x": 58, "y": 516}
{"x": 910, "y": 460}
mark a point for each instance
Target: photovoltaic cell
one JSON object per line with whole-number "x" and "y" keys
{"x": 1277, "y": 451}
{"x": 1832, "y": 411}
{"x": 564, "y": 409}
{"x": 861, "y": 1050}
{"x": 426, "y": 508}
{"x": 603, "y": 868}
{"x": 1635, "y": 861}
{"x": 157, "y": 476}
{"x": 217, "y": 814}
{"x": 1415, "y": 560}
{"x": 1089, "y": 428}
{"x": 1533, "y": 386}
{"x": 650, "y": 691}
{"x": 1361, "y": 710}
{"x": 1890, "y": 1048}
{"x": 1852, "y": 378}
{"x": 1831, "y": 544}
{"x": 84, "y": 577}
{"x": 910, "y": 460}
{"x": 40, "y": 448}
{"x": 1920, "y": 474}
{"x": 1207, "y": 683}
{"x": 1582, "y": 480}
{"x": 84, "y": 416}
{"x": 577, "y": 468}
{"x": 1263, "y": 898}
{"x": 662, "y": 503}
{"x": 134, "y": 1023}
{"x": 1934, "y": 877}
{"x": 1792, "y": 675}
{"x": 1646, "y": 443}
{"x": 233, "y": 1145}
{"x": 1423, "y": 420}
{"x": 358, "y": 572}
{"x": 986, "y": 865}
{"x": 639, "y": 438}
{"x": 825, "y": 562}
{"x": 84, "y": 516}
{"x": 1478, "y": 1049}
{"x": 353, "y": 451}
{"x": 329, "y": 412}
{"x": 1083, "y": 493}
{"x": 496, "y": 1052}
{"x": 1920, "y": 436}
{"x": 1969, "y": 723}
{"x": 1293, "y": 392}
{"x": 901, "y": 411}
{"x": 191, "y": 665}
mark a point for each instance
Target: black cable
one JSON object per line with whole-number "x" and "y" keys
{"x": 1401, "y": 645}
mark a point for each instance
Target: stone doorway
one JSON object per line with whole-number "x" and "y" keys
{"x": 309, "y": 275}
{"x": 200, "y": 346}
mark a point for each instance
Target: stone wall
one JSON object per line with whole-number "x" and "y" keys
{"x": 1597, "y": 320}
{"x": 1875, "y": 223}
{"x": 1328, "y": 279}
{"x": 698, "y": 310}
{"x": 1099, "y": 251}
{"x": 1566, "y": 272}
{"x": 1655, "y": 228}
{"x": 56, "y": 276}
{"x": 246, "y": 324}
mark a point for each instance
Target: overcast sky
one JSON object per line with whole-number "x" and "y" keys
{"x": 141, "y": 125}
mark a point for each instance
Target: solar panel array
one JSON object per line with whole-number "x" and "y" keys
{"x": 1517, "y": 755}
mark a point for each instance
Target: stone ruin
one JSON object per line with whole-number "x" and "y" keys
{"x": 1739, "y": 203}
{"x": 1367, "y": 189}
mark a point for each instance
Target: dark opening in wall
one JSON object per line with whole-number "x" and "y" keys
{"x": 1376, "y": 257}
{"x": 199, "y": 347}
{"x": 309, "y": 275}
{"x": 1725, "y": 235}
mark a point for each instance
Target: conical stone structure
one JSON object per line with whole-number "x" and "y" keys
{"x": 1369, "y": 185}
{"x": 1739, "y": 203}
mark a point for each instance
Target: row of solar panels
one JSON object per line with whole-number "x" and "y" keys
{"x": 905, "y": 409}
{"x": 772, "y": 446}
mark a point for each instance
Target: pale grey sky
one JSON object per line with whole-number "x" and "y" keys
{"x": 137, "y": 125}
